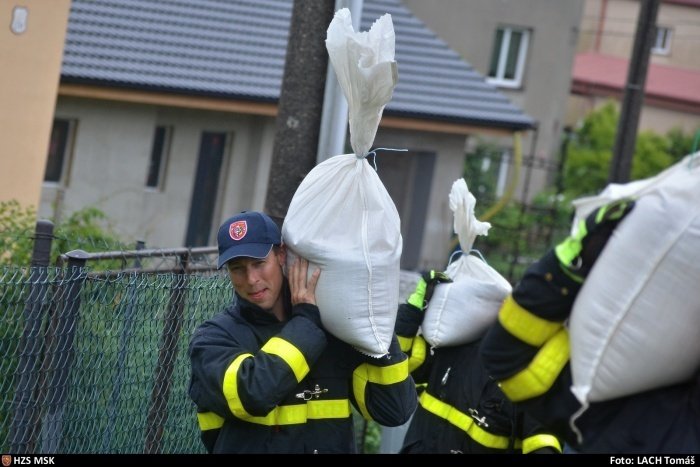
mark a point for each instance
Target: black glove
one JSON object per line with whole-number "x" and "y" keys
{"x": 577, "y": 253}
{"x": 425, "y": 287}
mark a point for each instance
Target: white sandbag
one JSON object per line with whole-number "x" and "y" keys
{"x": 460, "y": 312}
{"x": 635, "y": 324}
{"x": 341, "y": 217}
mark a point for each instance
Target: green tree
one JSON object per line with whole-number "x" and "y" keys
{"x": 590, "y": 152}
{"x": 16, "y": 228}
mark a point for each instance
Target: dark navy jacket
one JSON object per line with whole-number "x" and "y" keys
{"x": 264, "y": 386}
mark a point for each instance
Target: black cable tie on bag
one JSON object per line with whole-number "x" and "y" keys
{"x": 374, "y": 153}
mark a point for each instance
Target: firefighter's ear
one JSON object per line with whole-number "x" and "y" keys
{"x": 281, "y": 254}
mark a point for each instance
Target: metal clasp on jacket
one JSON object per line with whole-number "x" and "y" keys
{"x": 307, "y": 394}
{"x": 481, "y": 421}
{"x": 443, "y": 381}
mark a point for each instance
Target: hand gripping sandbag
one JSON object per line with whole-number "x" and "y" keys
{"x": 341, "y": 217}
{"x": 461, "y": 311}
{"x": 635, "y": 325}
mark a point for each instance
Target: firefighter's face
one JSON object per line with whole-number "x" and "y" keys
{"x": 259, "y": 280}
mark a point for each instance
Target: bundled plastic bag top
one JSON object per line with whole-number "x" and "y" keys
{"x": 341, "y": 217}
{"x": 367, "y": 73}
{"x": 460, "y": 312}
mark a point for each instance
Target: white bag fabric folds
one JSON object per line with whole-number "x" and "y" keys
{"x": 341, "y": 217}
{"x": 635, "y": 324}
{"x": 460, "y": 312}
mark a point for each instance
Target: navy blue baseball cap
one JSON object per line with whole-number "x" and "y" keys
{"x": 251, "y": 234}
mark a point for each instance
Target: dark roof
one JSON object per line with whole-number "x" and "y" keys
{"x": 236, "y": 49}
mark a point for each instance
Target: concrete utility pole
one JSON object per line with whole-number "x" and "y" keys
{"x": 300, "y": 104}
{"x": 334, "y": 121}
{"x": 626, "y": 137}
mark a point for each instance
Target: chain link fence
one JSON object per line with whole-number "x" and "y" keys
{"x": 96, "y": 363}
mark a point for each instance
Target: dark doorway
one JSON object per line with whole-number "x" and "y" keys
{"x": 206, "y": 187}
{"x": 408, "y": 177}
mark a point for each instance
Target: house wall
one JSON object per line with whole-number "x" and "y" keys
{"x": 618, "y": 28}
{"x": 30, "y": 63}
{"x": 449, "y": 166}
{"x": 469, "y": 26}
{"x": 110, "y": 159}
{"x": 111, "y": 153}
{"x": 609, "y": 27}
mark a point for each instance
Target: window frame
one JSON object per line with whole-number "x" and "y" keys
{"x": 664, "y": 35}
{"x": 499, "y": 79}
{"x": 67, "y": 156}
{"x": 164, "y": 157}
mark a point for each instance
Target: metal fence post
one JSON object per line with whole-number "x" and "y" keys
{"x": 59, "y": 353}
{"x": 23, "y": 429}
{"x": 158, "y": 412}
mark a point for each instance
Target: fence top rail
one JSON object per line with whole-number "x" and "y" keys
{"x": 144, "y": 253}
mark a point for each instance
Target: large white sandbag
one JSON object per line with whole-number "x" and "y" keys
{"x": 460, "y": 311}
{"x": 635, "y": 324}
{"x": 341, "y": 217}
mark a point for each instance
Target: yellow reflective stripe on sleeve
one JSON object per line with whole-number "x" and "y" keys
{"x": 380, "y": 375}
{"x": 209, "y": 421}
{"x": 465, "y": 423}
{"x": 538, "y": 377}
{"x": 230, "y": 387}
{"x": 536, "y": 442}
{"x": 524, "y": 325}
{"x": 418, "y": 353}
{"x": 389, "y": 374}
{"x": 405, "y": 343}
{"x": 290, "y": 354}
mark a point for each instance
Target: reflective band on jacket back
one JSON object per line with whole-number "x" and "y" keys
{"x": 465, "y": 423}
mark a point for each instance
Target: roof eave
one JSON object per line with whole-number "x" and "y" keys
{"x": 261, "y": 105}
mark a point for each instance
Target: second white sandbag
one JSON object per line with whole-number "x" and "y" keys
{"x": 461, "y": 311}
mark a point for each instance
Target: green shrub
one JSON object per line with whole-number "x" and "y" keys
{"x": 85, "y": 229}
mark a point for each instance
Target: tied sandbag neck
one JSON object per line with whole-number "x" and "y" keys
{"x": 473, "y": 250}
{"x": 373, "y": 152}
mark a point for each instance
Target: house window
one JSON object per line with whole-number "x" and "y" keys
{"x": 159, "y": 156}
{"x": 59, "y": 151}
{"x": 508, "y": 57}
{"x": 662, "y": 43}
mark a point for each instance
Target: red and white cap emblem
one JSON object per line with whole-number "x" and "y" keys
{"x": 238, "y": 229}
